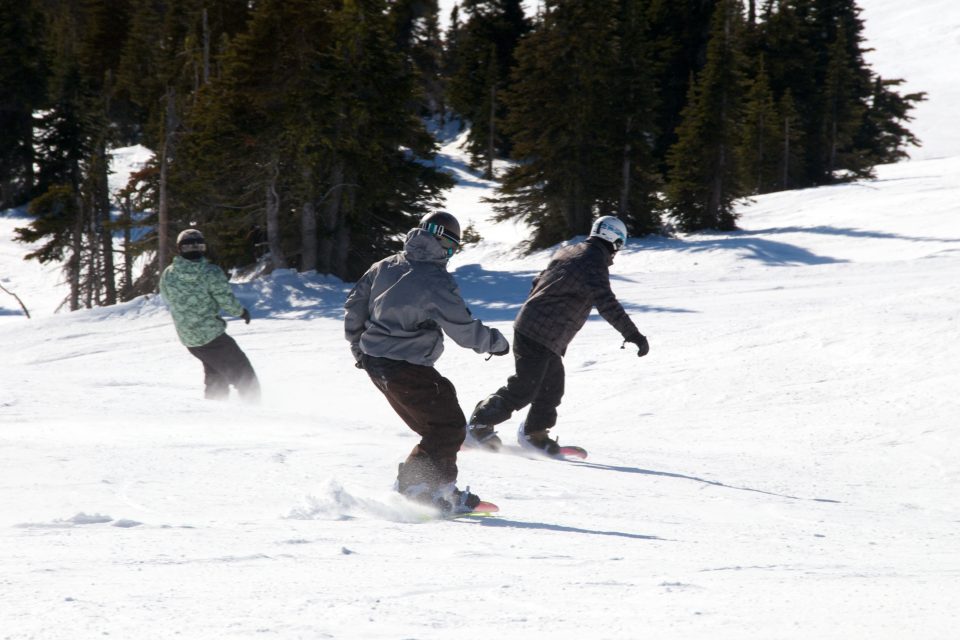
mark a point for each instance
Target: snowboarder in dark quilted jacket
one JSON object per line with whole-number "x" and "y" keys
{"x": 575, "y": 281}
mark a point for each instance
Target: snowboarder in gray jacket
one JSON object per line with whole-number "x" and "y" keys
{"x": 395, "y": 320}
{"x": 196, "y": 290}
{"x": 576, "y": 280}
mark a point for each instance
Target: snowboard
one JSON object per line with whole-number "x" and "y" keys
{"x": 483, "y": 510}
{"x": 570, "y": 453}
{"x": 565, "y": 453}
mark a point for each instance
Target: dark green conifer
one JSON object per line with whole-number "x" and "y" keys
{"x": 760, "y": 155}
{"x": 705, "y": 177}
{"x": 581, "y": 116}
{"x": 22, "y": 88}
{"x": 883, "y": 133}
{"x": 484, "y": 57}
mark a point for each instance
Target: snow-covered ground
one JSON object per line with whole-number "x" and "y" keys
{"x": 784, "y": 464}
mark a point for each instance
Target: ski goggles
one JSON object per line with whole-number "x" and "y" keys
{"x": 448, "y": 241}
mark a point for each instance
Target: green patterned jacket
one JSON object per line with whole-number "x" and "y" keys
{"x": 195, "y": 291}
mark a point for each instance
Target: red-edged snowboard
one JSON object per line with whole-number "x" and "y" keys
{"x": 569, "y": 453}
{"x": 482, "y": 510}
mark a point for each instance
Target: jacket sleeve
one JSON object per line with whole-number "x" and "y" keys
{"x": 451, "y": 313}
{"x": 610, "y": 309}
{"x": 219, "y": 288}
{"x": 163, "y": 287}
{"x": 357, "y": 312}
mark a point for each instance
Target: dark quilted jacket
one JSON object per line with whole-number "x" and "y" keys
{"x": 576, "y": 280}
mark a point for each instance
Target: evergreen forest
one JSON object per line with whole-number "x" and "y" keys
{"x": 298, "y": 133}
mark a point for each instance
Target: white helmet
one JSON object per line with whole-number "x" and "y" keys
{"x": 611, "y": 229}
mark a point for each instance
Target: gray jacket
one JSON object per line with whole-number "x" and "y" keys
{"x": 403, "y": 305}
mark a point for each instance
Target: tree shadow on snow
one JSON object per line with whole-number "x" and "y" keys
{"x": 715, "y": 483}
{"x": 769, "y": 252}
{"x": 498, "y": 295}
{"x": 846, "y": 232}
{"x": 756, "y": 245}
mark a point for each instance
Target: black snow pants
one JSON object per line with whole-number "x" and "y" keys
{"x": 538, "y": 381}
{"x": 224, "y": 364}
{"x": 427, "y": 403}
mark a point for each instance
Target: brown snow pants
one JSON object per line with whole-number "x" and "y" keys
{"x": 427, "y": 402}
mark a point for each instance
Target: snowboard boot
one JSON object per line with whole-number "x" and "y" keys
{"x": 538, "y": 441}
{"x": 481, "y": 436}
{"x": 449, "y": 500}
{"x": 446, "y": 498}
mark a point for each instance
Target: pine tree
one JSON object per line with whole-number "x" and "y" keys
{"x": 704, "y": 174}
{"x": 843, "y": 111}
{"x": 312, "y": 133}
{"x": 416, "y": 29}
{"x": 786, "y": 38}
{"x": 883, "y": 134}
{"x": 635, "y": 120}
{"x": 679, "y": 32}
{"x": 790, "y": 169}
{"x": 174, "y": 49}
{"x": 581, "y": 112}
{"x": 59, "y": 216}
{"x": 485, "y": 45}
{"x": 760, "y": 155}
{"x": 22, "y": 84}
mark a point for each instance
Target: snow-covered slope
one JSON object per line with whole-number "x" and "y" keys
{"x": 784, "y": 463}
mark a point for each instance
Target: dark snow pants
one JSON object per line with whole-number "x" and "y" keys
{"x": 538, "y": 381}
{"x": 427, "y": 403}
{"x": 224, "y": 364}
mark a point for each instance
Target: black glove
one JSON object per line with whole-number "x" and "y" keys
{"x": 643, "y": 347}
{"x": 358, "y": 364}
{"x": 502, "y": 352}
{"x": 246, "y": 316}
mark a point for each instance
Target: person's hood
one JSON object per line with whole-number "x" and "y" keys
{"x": 605, "y": 246}
{"x": 422, "y": 246}
{"x": 189, "y": 269}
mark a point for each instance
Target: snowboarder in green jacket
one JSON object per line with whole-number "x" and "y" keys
{"x": 196, "y": 290}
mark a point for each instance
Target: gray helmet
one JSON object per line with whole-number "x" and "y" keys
{"x": 191, "y": 245}
{"x": 445, "y": 228}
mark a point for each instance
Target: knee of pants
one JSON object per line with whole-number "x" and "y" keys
{"x": 492, "y": 410}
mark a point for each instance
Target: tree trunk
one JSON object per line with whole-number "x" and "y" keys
{"x": 103, "y": 227}
{"x": 277, "y": 259}
{"x": 341, "y": 248}
{"x": 163, "y": 208}
{"x": 127, "y": 253}
{"x": 77, "y": 250}
{"x": 492, "y": 133}
{"x": 308, "y": 228}
{"x": 206, "y": 48}
{"x": 786, "y": 153}
{"x": 331, "y": 218}
{"x": 625, "y": 172}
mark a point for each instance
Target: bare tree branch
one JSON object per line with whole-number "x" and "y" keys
{"x": 22, "y": 306}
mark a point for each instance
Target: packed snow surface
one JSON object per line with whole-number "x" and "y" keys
{"x": 785, "y": 463}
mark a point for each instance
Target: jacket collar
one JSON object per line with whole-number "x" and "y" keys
{"x": 605, "y": 247}
{"x": 422, "y": 246}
